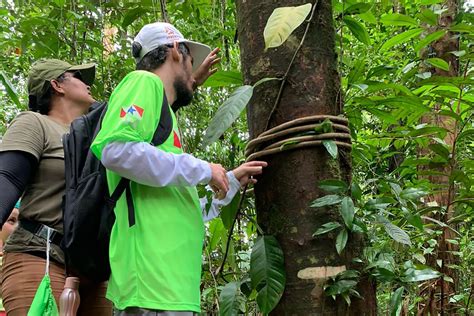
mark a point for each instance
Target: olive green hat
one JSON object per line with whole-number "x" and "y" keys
{"x": 45, "y": 70}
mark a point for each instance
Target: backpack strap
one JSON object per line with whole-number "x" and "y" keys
{"x": 162, "y": 132}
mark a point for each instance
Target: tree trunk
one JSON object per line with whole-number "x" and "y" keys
{"x": 290, "y": 182}
{"x": 445, "y": 196}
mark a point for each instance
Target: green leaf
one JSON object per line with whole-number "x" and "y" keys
{"x": 438, "y": 63}
{"x": 333, "y": 186}
{"x": 132, "y": 15}
{"x": 224, "y": 79}
{"x": 327, "y": 200}
{"x": 358, "y": 29}
{"x": 428, "y": 16}
{"x": 264, "y": 80}
{"x": 429, "y": 39}
{"x": 398, "y": 20}
{"x": 267, "y": 272}
{"x": 216, "y": 232}
{"x": 396, "y": 302}
{"x": 413, "y": 275}
{"x": 282, "y": 22}
{"x": 326, "y": 228}
{"x": 400, "y": 38}
{"x": 341, "y": 240}
{"x": 462, "y": 28}
{"x": 230, "y": 299}
{"x": 11, "y": 91}
{"x": 441, "y": 150}
{"x": 331, "y": 147}
{"x": 396, "y": 233}
{"x": 229, "y": 211}
{"x": 227, "y": 113}
{"x": 356, "y": 72}
{"x": 357, "y": 8}
{"x": 347, "y": 211}
{"x": 324, "y": 127}
{"x": 412, "y": 193}
{"x": 356, "y": 191}
{"x": 415, "y": 220}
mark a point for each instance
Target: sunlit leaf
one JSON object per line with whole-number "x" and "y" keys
{"x": 438, "y": 63}
{"x": 396, "y": 302}
{"x": 11, "y": 91}
{"x": 331, "y": 147}
{"x": 401, "y": 38}
{"x": 228, "y": 113}
{"x": 282, "y": 22}
{"x": 224, "y": 79}
{"x": 358, "y": 29}
{"x": 429, "y": 39}
{"x": 398, "y": 20}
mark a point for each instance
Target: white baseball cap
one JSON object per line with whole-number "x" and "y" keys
{"x": 159, "y": 33}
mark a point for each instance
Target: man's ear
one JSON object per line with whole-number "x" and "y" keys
{"x": 56, "y": 87}
{"x": 175, "y": 52}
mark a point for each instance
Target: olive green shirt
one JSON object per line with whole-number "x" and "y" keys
{"x": 41, "y": 137}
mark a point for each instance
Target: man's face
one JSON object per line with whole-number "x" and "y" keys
{"x": 184, "y": 82}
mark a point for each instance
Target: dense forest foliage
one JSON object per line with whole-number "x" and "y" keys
{"x": 406, "y": 77}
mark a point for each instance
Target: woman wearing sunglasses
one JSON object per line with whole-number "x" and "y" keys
{"x": 32, "y": 167}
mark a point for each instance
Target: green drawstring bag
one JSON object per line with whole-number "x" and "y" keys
{"x": 43, "y": 303}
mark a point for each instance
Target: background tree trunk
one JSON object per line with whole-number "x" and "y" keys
{"x": 290, "y": 182}
{"x": 440, "y": 49}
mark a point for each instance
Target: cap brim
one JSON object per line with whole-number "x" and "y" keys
{"x": 198, "y": 51}
{"x": 87, "y": 72}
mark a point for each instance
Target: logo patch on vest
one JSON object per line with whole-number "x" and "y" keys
{"x": 131, "y": 111}
{"x": 177, "y": 142}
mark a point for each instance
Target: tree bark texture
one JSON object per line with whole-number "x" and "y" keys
{"x": 290, "y": 182}
{"x": 441, "y": 49}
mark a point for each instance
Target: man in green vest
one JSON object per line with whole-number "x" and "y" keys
{"x": 156, "y": 262}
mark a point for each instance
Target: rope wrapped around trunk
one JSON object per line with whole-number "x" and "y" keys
{"x": 299, "y": 133}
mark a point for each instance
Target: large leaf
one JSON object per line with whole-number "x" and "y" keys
{"x": 326, "y": 228}
{"x": 429, "y": 39}
{"x": 267, "y": 272}
{"x": 438, "y": 63}
{"x": 331, "y": 147}
{"x": 11, "y": 91}
{"x": 341, "y": 240}
{"x": 357, "y": 8}
{"x": 398, "y": 19}
{"x": 327, "y": 200}
{"x": 229, "y": 211}
{"x": 282, "y": 22}
{"x": 230, "y": 299}
{"x": 228, "y": 113}
{"x": 396, "y": 302}
{"x": 132, "y": 15}
{"x": 396, "y": 233}
{"x": 333, "y": 186}
{"x": 400, "y": 38}
{"x": 412, "y": 275}
{"x": 358, "y": 29}
{"x": 347, "y": 211}
{"x": 224, "y": 79}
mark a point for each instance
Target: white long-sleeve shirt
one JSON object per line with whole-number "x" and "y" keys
{"x": 159, "y": 168}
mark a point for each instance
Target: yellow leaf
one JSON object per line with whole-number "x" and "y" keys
{"x": 282, "y": 22}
